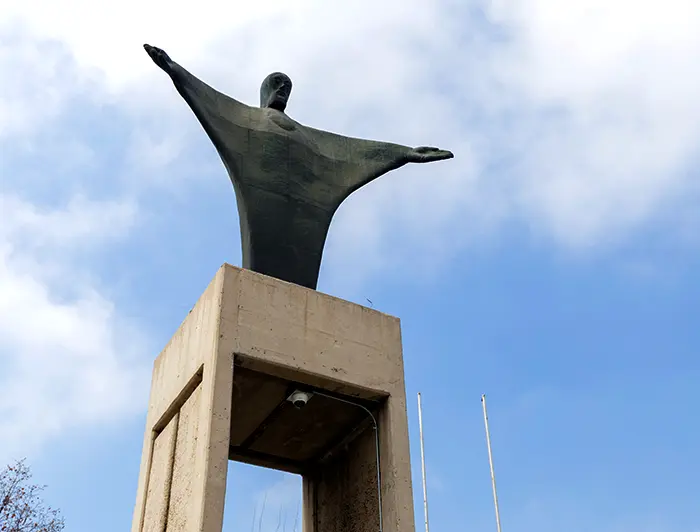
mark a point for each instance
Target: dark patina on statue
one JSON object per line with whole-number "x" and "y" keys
{"x": 289, "y": 179}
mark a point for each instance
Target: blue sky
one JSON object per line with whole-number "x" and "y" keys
{"x": 551, "y": 265}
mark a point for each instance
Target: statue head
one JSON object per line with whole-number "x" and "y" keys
{"x": 275, "y": 90}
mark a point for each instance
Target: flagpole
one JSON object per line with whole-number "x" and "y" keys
{"x": 493, "y": 476}
{"x": 422, "y": 457}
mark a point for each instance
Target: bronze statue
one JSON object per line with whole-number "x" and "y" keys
{"x": 289, "y": 179}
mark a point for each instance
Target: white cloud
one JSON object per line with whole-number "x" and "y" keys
{"x": 577, "y": 118}
{"x": 67, "y": 359}
{"x": 79, "y": 224}
{"x": 604, "y": 99}
{"x": 37, "y": 80}
{"x": 587, "y": 108}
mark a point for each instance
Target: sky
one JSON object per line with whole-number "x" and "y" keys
{"x": 552, "y": 264}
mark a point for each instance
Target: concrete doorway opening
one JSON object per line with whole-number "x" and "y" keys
{"x": 313, "y": 454}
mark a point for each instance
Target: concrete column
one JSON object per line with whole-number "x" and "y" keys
{"x": 182, "y": 481}
{"x": 340, "y": 495}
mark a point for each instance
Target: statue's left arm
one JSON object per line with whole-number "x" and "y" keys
{"x": 374, "y": 159}
{"x": 356, "y": 162}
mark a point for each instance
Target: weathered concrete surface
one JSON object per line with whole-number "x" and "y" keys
{"x": 342, "y": 495}
{"x": 248, "y": 335}
{"x": 182, "y": 480}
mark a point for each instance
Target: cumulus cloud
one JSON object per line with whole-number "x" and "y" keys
{"x": 38, "y": 80}
{"x": 577, "y": 119}
{"x": 583, "y": 113}
{"x": 77, "y": 225}
{"x": 63, "y": 356}
{"x": 603, "y": 103}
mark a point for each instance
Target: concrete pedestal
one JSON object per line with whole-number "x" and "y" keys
{"x": 220, "y": 389}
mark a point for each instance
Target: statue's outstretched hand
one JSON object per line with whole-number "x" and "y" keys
{"x": 159, "y": 57}
{"x": 427, "y": 154}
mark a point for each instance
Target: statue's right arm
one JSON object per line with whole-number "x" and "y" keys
{"x": 190, "y": 86}
{"x": 163, "y": 61}
{"x": 213, "y": 109}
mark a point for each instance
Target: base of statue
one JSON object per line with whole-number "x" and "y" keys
{"x": 277, "y": 375}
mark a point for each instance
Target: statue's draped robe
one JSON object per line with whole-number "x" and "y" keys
{"x": 289, "y": 179}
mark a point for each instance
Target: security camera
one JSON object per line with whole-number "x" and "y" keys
{"x": 299, "y": 398}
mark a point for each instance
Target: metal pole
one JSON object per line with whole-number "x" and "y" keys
{"x": 422, "y": 457}
{"x": 493, "y": 476}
